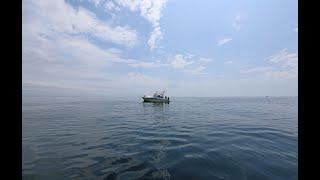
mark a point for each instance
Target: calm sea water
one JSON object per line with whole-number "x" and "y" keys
{"x": 190, "y": 138}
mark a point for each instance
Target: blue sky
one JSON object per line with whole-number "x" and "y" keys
{"x": 188, "y": 48}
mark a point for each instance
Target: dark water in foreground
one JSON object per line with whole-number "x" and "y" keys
{"x": 190, "y": 138}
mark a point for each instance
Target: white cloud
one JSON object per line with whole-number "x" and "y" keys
{"x": 96, "y": 2}
{"x": 224, "y": 41}
{"x": 110, "y": 6}
{"x": 229, "y": 62}
{"x": 130, "y": 83}
{"x": 205, "y": 60}
{"x": 284, "y": 66}
{"x": 131, "y": 4}
{"x": 70, "y": 62}
{"x": 156, "y": 35}
{"x": 288, "y": 62}
{"x": 41, "y": 17}
{"x": 295, "y": 29}
{"x": 145, "y": 64}
{"x": 196, "y": 71}
{"x": 285, "y": 59}
{"x": 237, "y": 22}
{"x": 180, "y": 62}
{"x": 56, "y": 53}
{"x": 141, "y": 80}
{"x": 257, "y": 70}
{"x": 151, "y": 11}
{"x": 281, "y": 74}
{"x": 189, "y": 56}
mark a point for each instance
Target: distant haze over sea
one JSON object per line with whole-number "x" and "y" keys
{"x": 40, "y": 90}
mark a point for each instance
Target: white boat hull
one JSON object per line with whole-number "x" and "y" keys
{"x": 152, "y": 99}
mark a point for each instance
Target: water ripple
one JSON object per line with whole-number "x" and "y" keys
{"x": 190, "y": 138}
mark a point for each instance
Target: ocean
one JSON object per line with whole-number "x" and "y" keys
{"x": 189, "y": 138}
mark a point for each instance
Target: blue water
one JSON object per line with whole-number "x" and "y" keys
{"x": 190, "y": 138}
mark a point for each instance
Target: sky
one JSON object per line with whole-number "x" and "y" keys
{"x": 204, "y": 48}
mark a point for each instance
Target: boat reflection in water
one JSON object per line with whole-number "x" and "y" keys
{"x": 157, "y": 140}
{"x": 156, "y": 110}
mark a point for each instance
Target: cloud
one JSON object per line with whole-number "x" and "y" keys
{"x": 180, "y": 62}
{"x": 285, "y": 59}
{"x": 41, "y": 17}
{"x": 96, "y": 2}
{"x": 206, "y": 60}
{"x": 141, "y": 80}
{"x": 229, "y": 62}
{"x": 237, "y": 22}
{"x": 196, "y": 71}
{"x": 224, "y": 41}
{"x": 75, "y": 63}
{"x": 146, "y": 64}
{"x": 156, "y": 35}
{"x": 295, "y": 29}
{"x": 284, "y": 66}
{"x": 131, "y": 4}
{"x": 281, "y": 74}
{"x": 130, "y": 83}
{"x": 288, "y": 62}
{"x": 110, "y": 6}
{"x": 257, "y": 70}
{"x": 57, "y": 52}
{"x": 189, "y": 56}
{"x": 151, "y": 11}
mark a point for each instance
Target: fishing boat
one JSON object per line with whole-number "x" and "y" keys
{"x": 157, "y": 97}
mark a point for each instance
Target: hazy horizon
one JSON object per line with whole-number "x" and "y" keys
{"x": 69, "y": 92}
{"x": 121, "y": 48}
